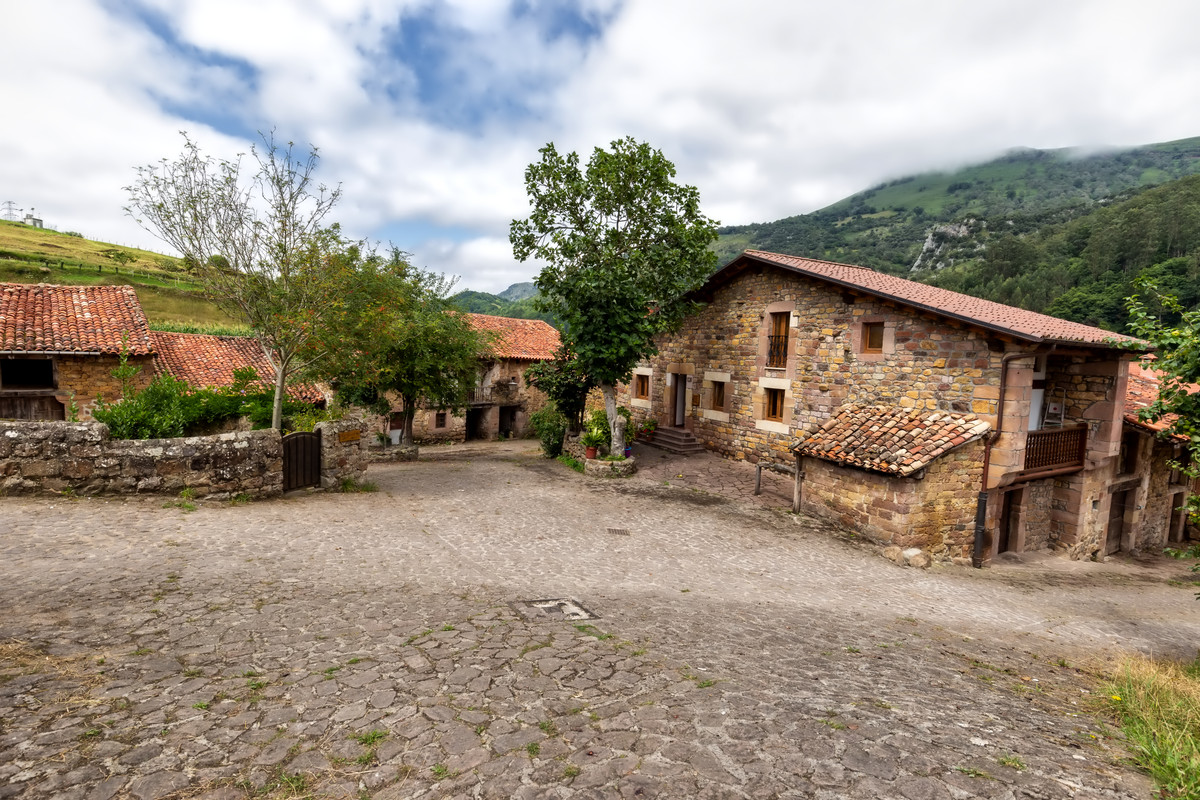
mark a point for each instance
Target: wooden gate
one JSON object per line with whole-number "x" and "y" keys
{"x": 301, "y": 460}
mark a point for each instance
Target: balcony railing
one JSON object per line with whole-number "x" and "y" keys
{"x": 1055, "y": 448}
{"x": 777, "y": 351}
{"x": 493, "y": 393}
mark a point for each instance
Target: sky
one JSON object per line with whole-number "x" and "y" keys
{"x": 427, "y": 113}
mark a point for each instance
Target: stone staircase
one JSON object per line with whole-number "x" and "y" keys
{"x": 676, "y": 440}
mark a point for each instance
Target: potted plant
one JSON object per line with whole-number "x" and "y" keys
{"x": 591, "y": 440}
{"x": 645, "y": 431}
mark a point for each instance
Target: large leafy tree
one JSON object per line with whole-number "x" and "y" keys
{"x": 1177, "y": 358}
{"x": 412, "y": 346}
{"x": 623, "y": 244}
{"x": 257, "y": 242}
{"x": 564, "y": 382}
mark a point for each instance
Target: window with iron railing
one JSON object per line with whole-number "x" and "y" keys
{"x": 777, "y": 342}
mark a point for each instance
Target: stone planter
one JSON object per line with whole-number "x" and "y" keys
{"x": 610, "y": 469}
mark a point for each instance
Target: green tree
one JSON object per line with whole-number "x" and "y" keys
{"x": 1177, "y": 357}
{"x": 623, "y": 244}
{"x": 257, "y": 244}
{"x": 564, "y": 382}
{"x": 410, "y": 343}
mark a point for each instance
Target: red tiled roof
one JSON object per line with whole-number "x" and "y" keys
{"x": 203, "y": 360}
{"x": 888, "y": 439}
{"x": 1027, "y": 325}
{"x": 1141, "y": 391}
{"x": 525, "y": 339}
{"x": 41, "y": 318}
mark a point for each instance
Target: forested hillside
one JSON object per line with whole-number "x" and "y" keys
{"x": 501, "y": 306}
{"x": 1081, "y": 268}
{"x": 887, "y": 227}
{"x": 1050, "y": 231}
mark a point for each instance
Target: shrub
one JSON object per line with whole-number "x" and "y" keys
{"x": 550, "y": 426}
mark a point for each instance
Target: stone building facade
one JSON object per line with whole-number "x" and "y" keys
{"x": 502, "y": 401}
{"x": 59, "y": 346}
{"x": 783, "y": 344}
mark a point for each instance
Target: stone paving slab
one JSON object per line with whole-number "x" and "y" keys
{"x": 370, "y": 646}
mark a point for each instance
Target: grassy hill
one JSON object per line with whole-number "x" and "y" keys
{"x": 887, "y": 227}
{"x": 169, "y": 298}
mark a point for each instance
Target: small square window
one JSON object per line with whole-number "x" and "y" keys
{"x": 774, "y": 406}
{"x": 872, "y": 337}
{"x": 439, "y": 419}
{"x": 718, "y": 395}
{"x": 641, "y": 387}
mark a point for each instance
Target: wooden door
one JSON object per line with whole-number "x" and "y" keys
{"x": 1116, "y": 522}
{"x": 301, "y": 460}
{"x": 680, "y": 416}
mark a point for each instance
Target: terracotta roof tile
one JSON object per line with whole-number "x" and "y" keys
{"x": 1141, "y": 391}
{"x": 1027, "y": 325}
{"x": 524, "y": 339}
{"x": 203, "y": 360}
{"x": 41, "y": 318}
{"x": 889, "y": 439}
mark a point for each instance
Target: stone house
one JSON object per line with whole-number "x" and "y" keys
{"x": 1149, "y": 490}
{"x": 60, "y": 344}
{"x": 501, "y": 402}
{"x": 915, "y": 415}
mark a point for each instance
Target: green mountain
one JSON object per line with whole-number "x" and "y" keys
{"x": 516, "y": 301}
{"x": 890, "y": 226}
{"x": 1079, "y": 266}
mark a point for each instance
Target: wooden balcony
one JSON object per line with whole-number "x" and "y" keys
{"x": 1055, "y": 449}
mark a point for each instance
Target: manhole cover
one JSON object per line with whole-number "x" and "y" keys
{"x": 555, "y": 608}
{"x": 618, "y": 531}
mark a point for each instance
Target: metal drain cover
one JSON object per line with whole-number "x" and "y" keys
{"x": 566, "y": 608}
{"x": 618, "y": 531}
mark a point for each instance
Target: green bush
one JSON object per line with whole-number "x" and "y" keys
{"x": 162, "y": 410}
{"x": 550, "y": 427}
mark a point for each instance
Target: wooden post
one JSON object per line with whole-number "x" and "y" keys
{"x": 799, "y": 476}
{"x": 758, "y": 479}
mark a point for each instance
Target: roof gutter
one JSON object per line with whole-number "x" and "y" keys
{"x": 981, "y": 501}
{"x": 61, "y": 353}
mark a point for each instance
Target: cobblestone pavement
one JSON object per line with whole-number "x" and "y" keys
{"x": 376, "y": 645}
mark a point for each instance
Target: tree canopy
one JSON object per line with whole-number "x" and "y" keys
{"x": 623, "y": 244}
{"x": 257, "y": 243}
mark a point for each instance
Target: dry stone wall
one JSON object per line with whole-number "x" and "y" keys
{"x": 38, "y": 457}
{"x": 46, "y": 457}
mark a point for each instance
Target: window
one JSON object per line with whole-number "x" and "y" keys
{"x": 872, "y": 339}
{"x": 1127, "y": 460}
{"x": 27, "y": 373}
{"x": 777, "y": 341}
{"x": 439, "y": 419}
{"x": 718, "y": 395}
{"x": 641, "y": 387}
{"x": 774, "y": 405}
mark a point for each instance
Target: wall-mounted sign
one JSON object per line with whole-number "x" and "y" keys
{"x": 349, "y": 436}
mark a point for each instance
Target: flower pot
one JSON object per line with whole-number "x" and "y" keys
{"x": 628, "y": 450}
{"x": 589, "y": 452}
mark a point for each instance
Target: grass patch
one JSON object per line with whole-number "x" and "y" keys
{"x": 1016, "y": 762}
{"x": 352, "y": 486}
{"x": 1157, "y": 703}
{"x": 370, "y": 738}
{"x": 592, "y": 630}
{"x": 572, "y": 462}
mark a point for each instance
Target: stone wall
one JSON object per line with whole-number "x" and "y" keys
{"x": 926, "y": 363}
{"x": 935, "y": 512}
{"x": 44, "y": 457}
{"x": 37, "y": 457}
{"x": 343, "y": 451}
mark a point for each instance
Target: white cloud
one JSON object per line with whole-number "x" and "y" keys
{"x": 770, "y": 108}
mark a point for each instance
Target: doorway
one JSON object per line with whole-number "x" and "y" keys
{"x": 679, "y": 416}
{"x": 1177, "y": 518}
{"x": 508, "y": 421}
{"x": 1116, "y": 522}
{"x": 476, "y": 424}
{"x": 1008, "y": 537}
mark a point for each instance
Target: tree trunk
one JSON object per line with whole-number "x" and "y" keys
{"x": 610, "y": 408}
{"x": 406, "y": 420}
{"x": 277, "y": 407}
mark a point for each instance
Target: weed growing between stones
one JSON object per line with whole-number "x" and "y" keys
{"x": 352, "y": 486}
{"x": 1016, "y": 762}
{"x": 184, "y": 502}
{"x": 571, "y": 462}
{"x": 1157, "y": 703}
